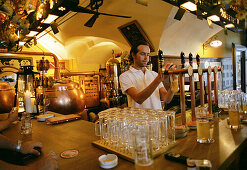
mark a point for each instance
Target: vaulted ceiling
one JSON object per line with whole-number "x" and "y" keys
{"x": 172, "y": 36}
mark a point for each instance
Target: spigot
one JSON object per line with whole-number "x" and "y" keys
{"x": 182, "y": 56}
{"x": 191, "y": 59}
{"x": 198, "y": 60}
{"x": 161, "y": 64}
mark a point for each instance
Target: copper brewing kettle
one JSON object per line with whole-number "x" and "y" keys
{"x": 66, "y": 97}
{"x": 7, "y": 97}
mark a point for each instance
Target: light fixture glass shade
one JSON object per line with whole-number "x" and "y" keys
{"x": 189, "y": 5}
{"x": 49, "y": 19}
{"x": 32, "y": 33}
{"x": 229, "y": 26}
{"x": 214, "y": 18}
{"x": 216, "y": 43}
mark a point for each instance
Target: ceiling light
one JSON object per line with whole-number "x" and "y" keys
{"x": 21, "y": 43}
{"x": 39, "y": 27}
{"x": 61, "y": 8}
{"x": 204, "y": 13}
{"x": 32, "y": 33}
{"x": 214, "y": 18}
{"x": 216, "y": 43}
{"x": 49, "y": 19}
{"x": 229, "y": 26}
{"x": 189, "y": 5}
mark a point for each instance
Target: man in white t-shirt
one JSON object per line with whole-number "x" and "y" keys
{"x": 144, "y": 88}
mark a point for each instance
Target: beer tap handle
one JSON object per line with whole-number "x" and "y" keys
{"x": 162, "y": 64}
{"x": 191, "y": 59}
{"x": 198, "y": 60}
{"x": 182, "y": 56}
{"x": 161, "y": 59}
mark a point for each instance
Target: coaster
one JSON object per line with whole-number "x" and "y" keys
{"x": 69, "y": 153}
{"x": 192, "y": 125}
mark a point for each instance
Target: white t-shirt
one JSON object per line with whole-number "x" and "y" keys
{"x": 139, "y": 80}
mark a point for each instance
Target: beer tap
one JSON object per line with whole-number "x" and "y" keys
{"x": 161, "y": 64}
{"x": 192, "y": 87}
{"x": 209, "y": 90}
{"x": 215, "y": 86}
{"x": 182, "y": 56}
{"x": 200, "y": 74}
{"x": 182, "y": 91}
{"x": 191, "y": 60}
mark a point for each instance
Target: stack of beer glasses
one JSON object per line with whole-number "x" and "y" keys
{"x": 115, "y": 127}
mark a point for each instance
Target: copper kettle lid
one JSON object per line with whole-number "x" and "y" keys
{"x": 4, "y": 86}
{"x": 63, "y": 85}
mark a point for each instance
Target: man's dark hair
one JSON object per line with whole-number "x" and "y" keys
{"x": 134, "y": 49}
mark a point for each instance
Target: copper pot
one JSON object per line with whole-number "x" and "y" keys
{"x": 7, "y": 97}
{"x": 66, "y": 97}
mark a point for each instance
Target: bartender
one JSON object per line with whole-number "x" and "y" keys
{"x": 144, "y": 88}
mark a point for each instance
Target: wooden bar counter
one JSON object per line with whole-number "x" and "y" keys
{"x": 79, "y": 135}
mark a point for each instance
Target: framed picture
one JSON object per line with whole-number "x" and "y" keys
{"x": 9, "y": 66}
{"x": 133, "y": 33}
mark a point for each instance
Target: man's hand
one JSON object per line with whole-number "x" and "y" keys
{"x": 28, "y": 147}
{"x": 48, "y": 162}
{"x": 13, "y": 114}
{"x": 167, "y": 67}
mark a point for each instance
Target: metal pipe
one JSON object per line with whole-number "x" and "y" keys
{"x": 57, "y": 75}
{"x": 80, "y": 73}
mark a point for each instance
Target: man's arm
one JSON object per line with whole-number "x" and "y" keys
{"x": 140, "y": 97}
{"x": 7, "y": 166}
{"x": 46, "y": 163}
{"x": 6, "y": 143}
{"x": 165, "y": 95}
{"x": 26, "y": 147}
{"x": 4, "y": 124}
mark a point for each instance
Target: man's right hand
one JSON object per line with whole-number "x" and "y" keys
{"x": 48, "y": 162}
{"x": 167, "y": 67}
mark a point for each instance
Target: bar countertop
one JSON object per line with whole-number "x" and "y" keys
{"x": 79, "y": 135}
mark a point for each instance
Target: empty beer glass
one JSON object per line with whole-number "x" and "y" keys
{"x": 142, "y": 146}
{"x": 26, "y": 124}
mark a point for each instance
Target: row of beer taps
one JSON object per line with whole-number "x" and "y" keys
{"x": 191, "y": 71}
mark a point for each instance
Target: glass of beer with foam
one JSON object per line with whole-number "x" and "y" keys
{"x": 203, "y": 125}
